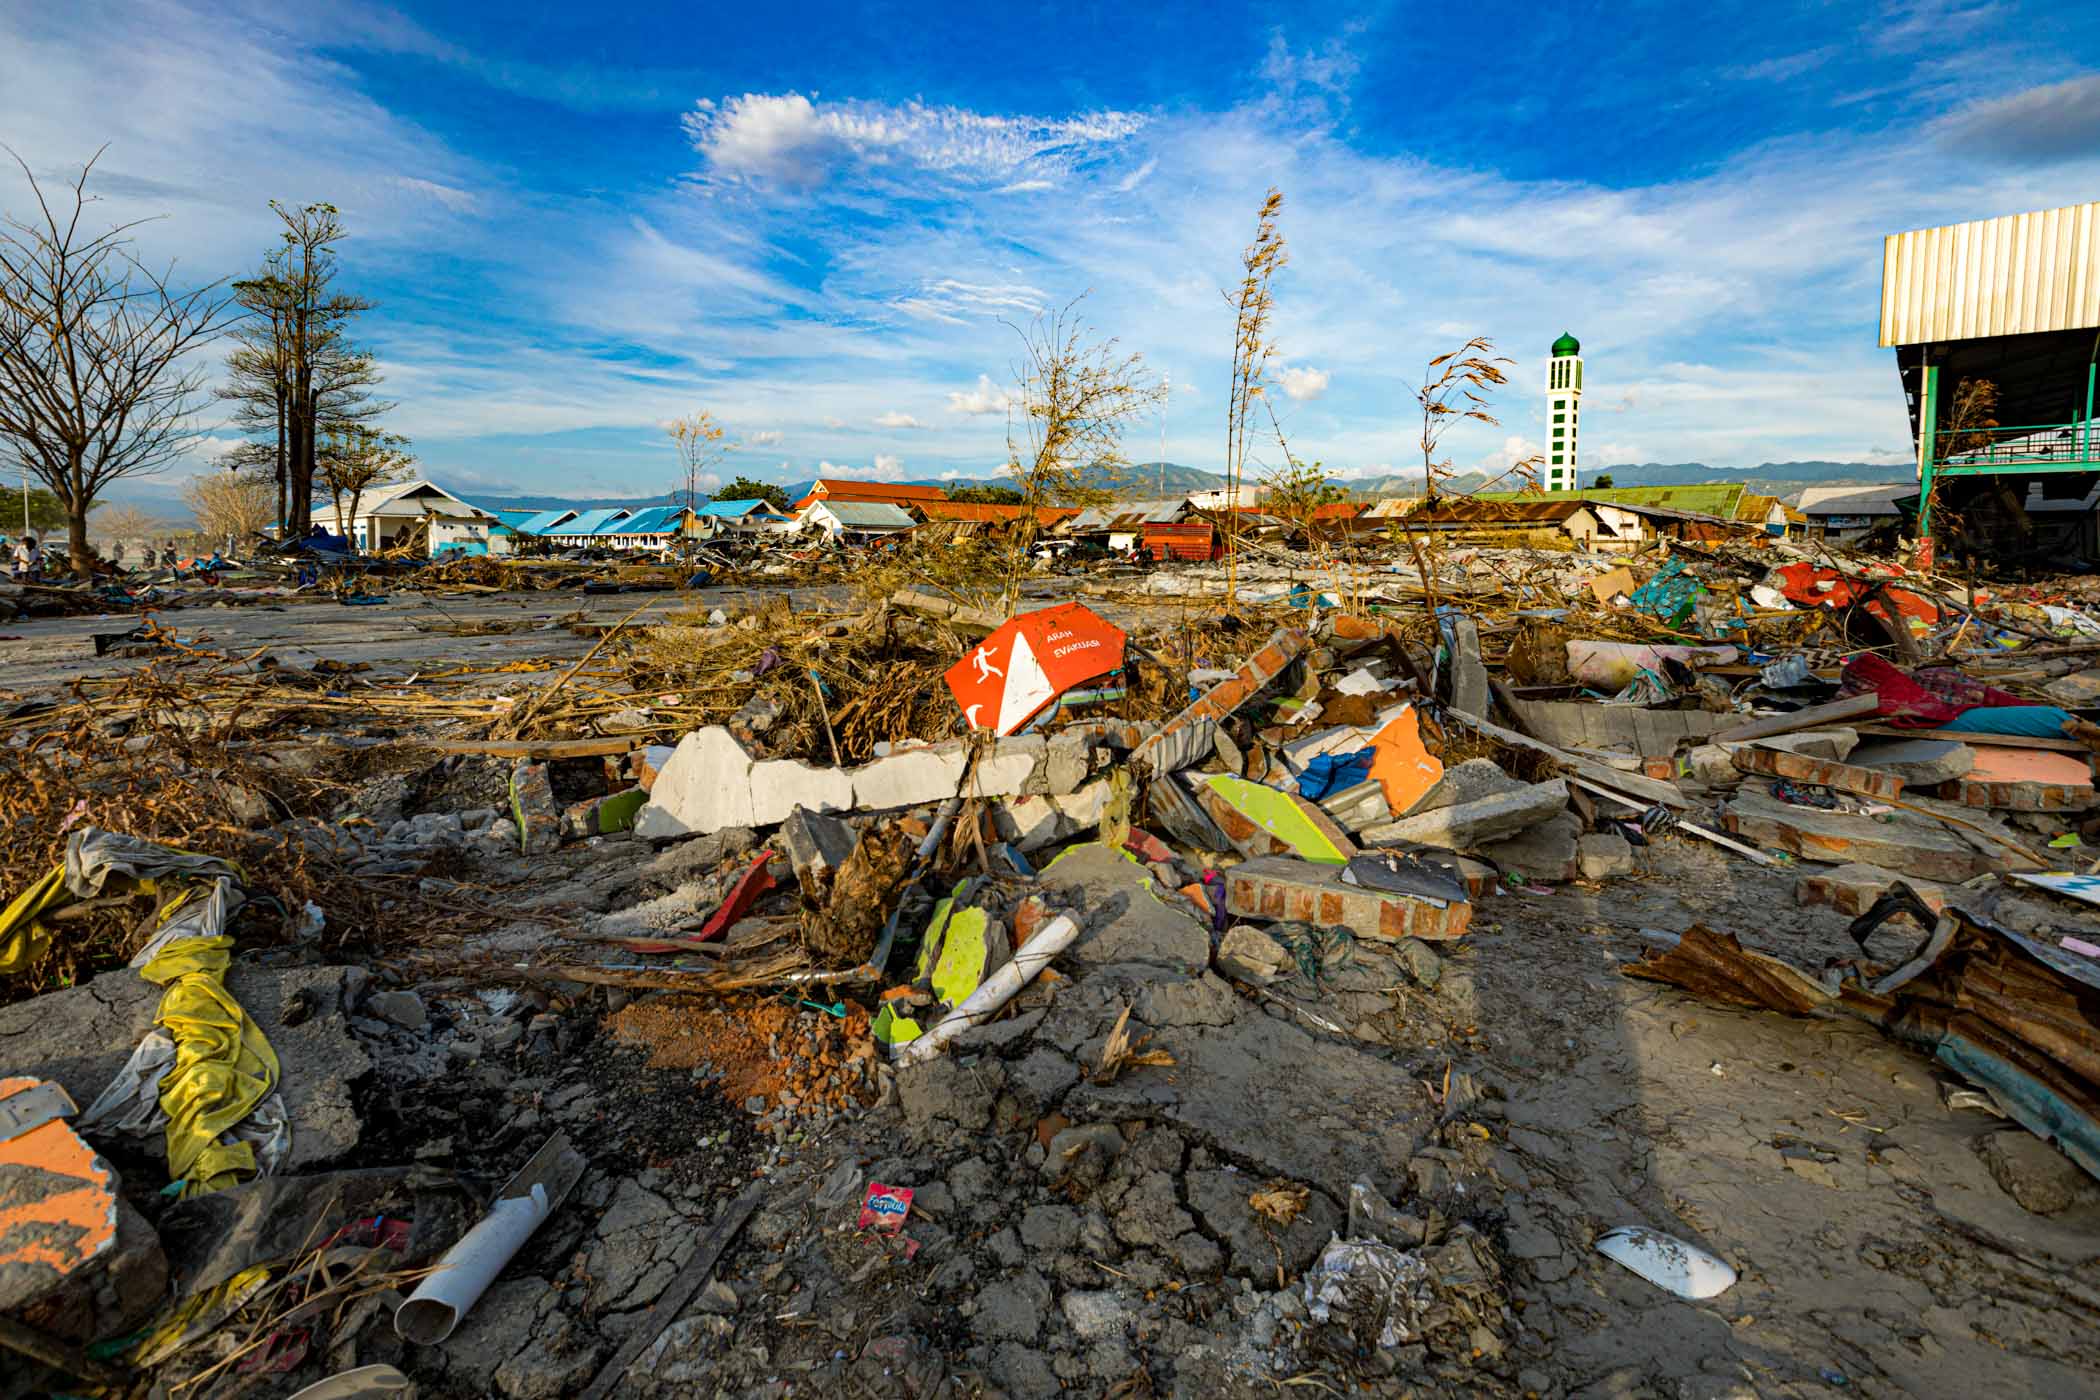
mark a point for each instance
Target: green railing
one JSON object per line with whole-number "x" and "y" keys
{"x": 2073, "y": 446}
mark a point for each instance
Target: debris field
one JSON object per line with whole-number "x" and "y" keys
{"x": 1477, "y": 971}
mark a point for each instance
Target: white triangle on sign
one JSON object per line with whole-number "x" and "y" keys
{"x": 1027, "y": 688}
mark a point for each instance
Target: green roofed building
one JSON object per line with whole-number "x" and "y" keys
{"x": 1718, "y": 498}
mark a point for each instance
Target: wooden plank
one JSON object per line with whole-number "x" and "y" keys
{"x": 671, "y": 1302}
{"x": 1965, "y": 736}
{"x": 1814, "y": 717}
{"x": 540, "y": 750}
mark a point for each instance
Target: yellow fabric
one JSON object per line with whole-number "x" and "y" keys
{"x": 23, "y": 934}
{"x": 196, "y": 1317}
{"x": 224, "y": 1065}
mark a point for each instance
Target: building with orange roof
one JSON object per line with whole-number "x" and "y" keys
{"x": 871, "y": 492}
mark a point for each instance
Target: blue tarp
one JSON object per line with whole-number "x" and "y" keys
{"x": 1331, "y": 772}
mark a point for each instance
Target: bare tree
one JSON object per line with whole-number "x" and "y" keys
{"x": 93, "y": 345}
{"x": 1076, "y": 395}
{"x": 1251, "y": 351}
{"x": 236, "y": 503}
{"x": 355, "y": 459}
{"x": 297, "y": 375}
{"x": 126, "y": 523}
{"x": 257, "y": 387}
{"x": 698, "y": 441}
{"x": 1455, "y": 388}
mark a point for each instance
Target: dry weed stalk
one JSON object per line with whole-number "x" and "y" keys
{"x": 1251, "y": 304}
{"x": 1276, "y": 1205}
{"x": 1120, "y": 1052}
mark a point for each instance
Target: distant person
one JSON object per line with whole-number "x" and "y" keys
{"x": 116, "y": 554}
{"x": 29, "y": 558}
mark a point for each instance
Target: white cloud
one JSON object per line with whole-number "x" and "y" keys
{"x": 768, "y": 437}
{"x": 789, "y": 140}
{"x": 459, "y": 201}
{"x": 1304, "y": 384}
{"x": 1027, "y": 187}
{"x": 987, "y": 397}
{"x": 1137, "y": 177}
{"x": 884, "y": 468}
{"x": 896, "y": 418}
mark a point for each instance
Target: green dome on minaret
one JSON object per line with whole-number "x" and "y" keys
{"x": 1566, "y": 345}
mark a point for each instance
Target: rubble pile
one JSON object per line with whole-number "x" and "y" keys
{"x": 1416, "y": 979}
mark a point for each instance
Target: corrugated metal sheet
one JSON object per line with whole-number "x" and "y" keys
{"x": 2015, "y": 275}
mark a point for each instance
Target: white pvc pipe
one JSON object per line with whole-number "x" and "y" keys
{"x": 469, "y": 1267}
{"x": 997, "y": 990}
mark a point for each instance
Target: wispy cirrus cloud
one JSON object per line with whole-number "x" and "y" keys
{"x": 795, "y": 142}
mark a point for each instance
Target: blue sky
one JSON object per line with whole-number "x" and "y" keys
{"x": 812, "y": 220}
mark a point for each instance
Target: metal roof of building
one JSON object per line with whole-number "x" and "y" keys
{"x": 2018, "y": 274}
{"x": 543, "y": 521}
{"x": 868, "y": 515}
{"x": 654, "y": 520}
{"x": 1856, "y": 500}
{"x": 590, "y": 521}
{"x": 736, "y": 510}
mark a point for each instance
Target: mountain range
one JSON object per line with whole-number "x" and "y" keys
{"x": 1148, "y": 480}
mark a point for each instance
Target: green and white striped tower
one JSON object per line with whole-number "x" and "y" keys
{"x": 1563, "y": 411}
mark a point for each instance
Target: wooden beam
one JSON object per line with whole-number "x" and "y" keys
{"x": 540, "y": 750}
{"x": 1814, "y": 717}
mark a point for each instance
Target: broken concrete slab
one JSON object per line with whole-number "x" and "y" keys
{"x": 1469, "y": 678}
{"x": 81, "y": 1036}
{"x": 1010, "y": 766}
{"x": 1126, "y": 920}
{"x": 1920, "y": 848}
{"x": 1584, "y": 724}
{"x": 1821, "y": 772}
{"x": 1259, "y": 821}
{"x": 1246, "y": 954}
{"x": 1816, "y": 743}
{"x": 2023, "y": 780}
{"x": 1603, "y": 854}
{"x": 1032, "y": 823}
{"x": 1919, "y": 762}
{"x": 1852, "y": 889}
{"x": 1281, "y": 888}
{"x": 1471, "y": 824}
{"x": 1471, "y": 781}
{"x": 779, "y": 786}
{"x": 1712, "y": 765}
{"x": 913, "y": 778}
{"x": 2075, "y": 691}
{"x": 1545, "y": 854}
{"x": 705, "y": 787}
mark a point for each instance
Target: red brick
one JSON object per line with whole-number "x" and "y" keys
{"x": 1852, "y": 889}
{"x": 1821, "y": 772}
{"x": 2018, "y": 797}
{"x": 1285, "y": 888}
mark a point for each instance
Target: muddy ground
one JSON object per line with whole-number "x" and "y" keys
{"x": 1503, "y": 1100}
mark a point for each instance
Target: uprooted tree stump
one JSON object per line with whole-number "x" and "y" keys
{"x": 840, "y": 925}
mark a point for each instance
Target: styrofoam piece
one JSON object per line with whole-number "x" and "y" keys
{"x": 1667, "y": 1262}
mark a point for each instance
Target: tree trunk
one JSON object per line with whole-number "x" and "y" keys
{"x": 283, "y": 527}
{"x": 76, "y": 503}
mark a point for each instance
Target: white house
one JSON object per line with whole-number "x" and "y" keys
{"x": 862, "y": 518}
{"x": 390, "y": 515}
